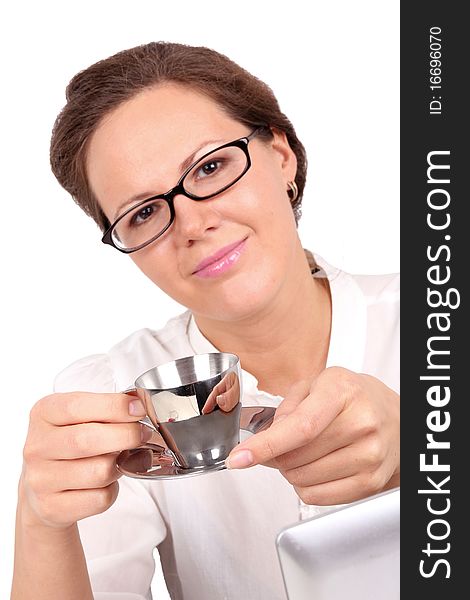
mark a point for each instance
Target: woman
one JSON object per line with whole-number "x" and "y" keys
{"x": 316, "y": 343}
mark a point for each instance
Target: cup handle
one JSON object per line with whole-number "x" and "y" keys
{"x": 132, "y": 391}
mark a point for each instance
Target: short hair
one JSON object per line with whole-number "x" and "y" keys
{"x": 94, "y": 92}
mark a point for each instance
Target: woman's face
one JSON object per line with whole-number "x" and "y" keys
{"x": 137, "y": 151}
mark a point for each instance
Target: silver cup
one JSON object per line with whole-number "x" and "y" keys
{"x": 180, "y": 398}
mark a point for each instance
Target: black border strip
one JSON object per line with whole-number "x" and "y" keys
{"x": 434, "y": 260}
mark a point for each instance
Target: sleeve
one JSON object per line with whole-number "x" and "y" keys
{"x": 120, "y": 542}
{"x": 89, "y": 374}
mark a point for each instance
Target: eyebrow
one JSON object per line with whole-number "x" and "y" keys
{"x": 187, "y": 162}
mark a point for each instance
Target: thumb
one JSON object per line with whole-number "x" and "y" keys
{"x": 296, "y": 394}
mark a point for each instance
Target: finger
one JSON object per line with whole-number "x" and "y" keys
{"x": 340, "y": 491}
{"x": 80, "y": 474}
{"x": 337, "y": 465}
{"x": 93, "y": 439}
{"x": 339, "y": 434}
{"x": 84, "y": 407}
{"x": 210, "y": 403}
{"x": 297, "y": 393}
{"x": 64, "y": 508}
{"x": 295, "y": 430}
{"x": 227, "y": 401}
{"x": 226, "y": 394}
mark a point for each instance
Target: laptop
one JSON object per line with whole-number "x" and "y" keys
{"x": 347, "y": 553}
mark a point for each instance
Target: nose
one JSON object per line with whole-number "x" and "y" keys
{"x": 194, "y": 218}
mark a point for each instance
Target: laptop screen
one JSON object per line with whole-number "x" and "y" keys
{"x": 351, "y": 552}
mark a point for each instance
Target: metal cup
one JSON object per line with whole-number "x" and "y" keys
{"x": 180, "y": 401}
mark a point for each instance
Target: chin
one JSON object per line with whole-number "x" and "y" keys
{"x": 237, "y": 301}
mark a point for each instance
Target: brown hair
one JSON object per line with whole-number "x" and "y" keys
{"x": 102, "y": 87}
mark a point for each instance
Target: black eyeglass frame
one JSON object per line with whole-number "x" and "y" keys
{"x": 178, "y": 189}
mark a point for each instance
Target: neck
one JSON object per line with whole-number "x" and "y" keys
{"x": 287, "y": 341}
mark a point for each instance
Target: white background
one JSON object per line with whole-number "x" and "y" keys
{"x": 334, "y": 68}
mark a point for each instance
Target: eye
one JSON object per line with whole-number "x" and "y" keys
{"x": 209, "y": 168}
{"x": 143, "y": 214}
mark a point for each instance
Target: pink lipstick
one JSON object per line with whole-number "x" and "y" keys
{"x": 220, "y": 261}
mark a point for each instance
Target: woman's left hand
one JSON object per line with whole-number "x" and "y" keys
{"x": 334, "y": 438}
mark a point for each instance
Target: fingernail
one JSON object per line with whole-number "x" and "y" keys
{"x": 239, "y": 460}
{"x": 221, "y": 401}
{"x": 136, "y": 408}
{"x": 145, "y": 433}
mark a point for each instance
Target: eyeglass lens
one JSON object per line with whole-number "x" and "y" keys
{"x": 207, "y": 177}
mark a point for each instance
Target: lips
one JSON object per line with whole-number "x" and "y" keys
{"x": 220, "y": 260}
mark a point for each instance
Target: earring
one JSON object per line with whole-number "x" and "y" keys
{"x": 293, "y": 191}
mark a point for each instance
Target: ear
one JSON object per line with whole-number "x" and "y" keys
{"x": 285, "y": 154}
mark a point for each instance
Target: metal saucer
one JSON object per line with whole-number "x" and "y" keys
{"x": 153, "y": 461}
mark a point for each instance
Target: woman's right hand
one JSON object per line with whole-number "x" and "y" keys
{"x": 69, "y": 468}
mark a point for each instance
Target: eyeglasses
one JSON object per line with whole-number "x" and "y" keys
{"x": 210, "y": 175}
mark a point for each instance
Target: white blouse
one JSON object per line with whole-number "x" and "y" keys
{"x": 216, "y": 533}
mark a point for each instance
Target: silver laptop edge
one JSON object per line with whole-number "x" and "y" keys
{"x": 349, "y": 552}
